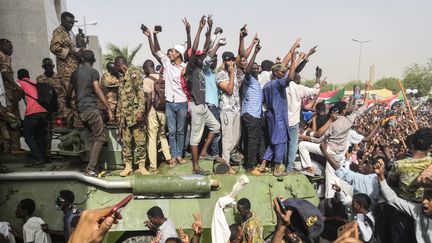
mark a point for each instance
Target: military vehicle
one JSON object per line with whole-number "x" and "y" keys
{"x": 175, "y": 190}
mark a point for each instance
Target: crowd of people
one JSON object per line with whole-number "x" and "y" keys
{"x": 215, "y": 111}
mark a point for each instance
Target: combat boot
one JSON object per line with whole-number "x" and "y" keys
{"x": 141, "y": 169}
{"x": 127, "y": 170}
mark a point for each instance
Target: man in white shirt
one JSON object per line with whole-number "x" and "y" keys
{"x": 175, "y": 95}
{"x": 295, "y": 94}
{"x": 158, "y": 223}
{"x": 32, "y": 230}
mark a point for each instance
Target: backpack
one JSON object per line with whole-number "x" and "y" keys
{"x": 47, "y": 96}
{"x": 158, "y": 94}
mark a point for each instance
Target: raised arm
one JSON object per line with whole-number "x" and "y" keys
{"x": 188, "y": 34}
{"x": 252, "y": 60}
{"x": 332, "y": 162}
{"x": 288, "y": 56}
{"x": 291, "y": 73}
{"x": 208, "y": 34}
{"x": 373, "y": 132}
{"x": 196, "y": 40}
{"x": 220, "y": 43}
{"x": 306, "y": 59}
{"x": 153, "y": 49}
{"x": 248, "y": 51}
{"x": 243, "y": 33}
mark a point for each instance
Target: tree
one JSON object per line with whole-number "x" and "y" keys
{"x": 309, "y": 83}
{"x": 114, "y": 51}
{"x": 389, "y": 83}
{"x": 418, "y": 76}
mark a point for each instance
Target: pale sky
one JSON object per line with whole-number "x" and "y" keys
{"x": 400, "y": 30}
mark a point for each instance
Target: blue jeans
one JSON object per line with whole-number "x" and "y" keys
{"x": 176, "y": 114}
{"x": 214, "y": 147}
{"x": 292, "y": 147}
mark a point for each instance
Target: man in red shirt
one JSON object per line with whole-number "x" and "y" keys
{"x": 35, "y": 120}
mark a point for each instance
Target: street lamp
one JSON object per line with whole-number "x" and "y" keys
{"x": 360, "y": 53}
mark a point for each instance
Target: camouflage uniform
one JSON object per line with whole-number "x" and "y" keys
{"x": 110, "y": 88}
{"x": 11, "y": 141}
{"x": 67, "y": 63}
{"x": 131, "y": 101}
{"x": 61, "y": 92}
{"x": 405, "y": 172}
{"x": 253, "y": 227}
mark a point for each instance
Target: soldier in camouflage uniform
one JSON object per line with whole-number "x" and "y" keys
{"x": 404, "y": 173}
{"x": 10, "y": 137}
{"x": 50, "y": 77}
{"x": 67, "y": 59}
{"x": 110, "y": 87}
{"x": 130, "y": 109}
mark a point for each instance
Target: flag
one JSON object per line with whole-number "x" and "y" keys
{"x": 372, "y": 103}
{"x": 398, "y": 97}
{"x": 332, "y": 96}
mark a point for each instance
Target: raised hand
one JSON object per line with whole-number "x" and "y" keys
{"x": 297, "y": 43}
{"x": 257, "y": 47}
{"x": 202, "y": 22}
{"x": 197, "y": 225}
{"x": 282, "y": 218}
{"x": 312, "y": 51}
{"x": 210, "y": 21}
{"x": 379, "y": 169}
{"x": 147, "y": 32}
{"x": 186, "y": 24}
{"x": 243, "y": 31}
{"x": 183, "y": 236}
{"x": 222, "y": 41}
{"x": 302, "y": 55}
{"x": 256, "y": 39}
{"x": 218, "y": 30}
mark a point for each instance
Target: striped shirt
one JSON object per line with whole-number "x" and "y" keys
{"x": 252, "y": 97}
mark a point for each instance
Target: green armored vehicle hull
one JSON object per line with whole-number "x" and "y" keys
{"x": 175, "y": 190}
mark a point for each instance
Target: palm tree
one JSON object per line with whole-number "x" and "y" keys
{"x": 114, "y": 51}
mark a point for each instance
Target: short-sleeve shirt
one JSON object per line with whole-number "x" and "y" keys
{"x": 82, "y": 80}
{"x": 211, "y": 89}
{"x": 196, "y": 83}
{"x": 253, "y": 227}
{"x": 228, "y": 103}
{"x": 167, "y": 230}
{"x": 32, "y": 106}
{"x": 32, "y": 231}
{"x": 173, "y": 87}
{"x": 252, "y": 96}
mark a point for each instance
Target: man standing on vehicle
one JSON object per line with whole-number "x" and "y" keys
{"x": 85, "y": 84}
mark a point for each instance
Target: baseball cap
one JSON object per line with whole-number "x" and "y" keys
{"x": 197, "y": 52}
{"x": 179, "y": 48}
{"x": 227, "y": 56}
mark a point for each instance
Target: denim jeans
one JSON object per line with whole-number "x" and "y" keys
{"x": 176, "y": 114}
{"x": 214, "y": 147}
{"x": 292, "y": 147}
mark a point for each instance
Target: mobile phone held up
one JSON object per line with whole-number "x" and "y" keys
{"x": 120, "y": 205}
{"x": 281, "y": 205}
{"x": 243, "y": 32}
{"x": 143, "y": 27}
{"x": 158, "y": 28}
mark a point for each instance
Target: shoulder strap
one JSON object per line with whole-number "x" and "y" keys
{"x": 25, "y": 92}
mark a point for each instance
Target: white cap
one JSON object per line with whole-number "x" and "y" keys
{"x": 179, "y": 48}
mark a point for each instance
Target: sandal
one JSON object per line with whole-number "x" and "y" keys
{"x": 255, "y": 172}
{"x": 171, "y": 163}
{"x": 280, "y": 174}
{"x": 201, "y": 172}
{"x": 181, "y": 161}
